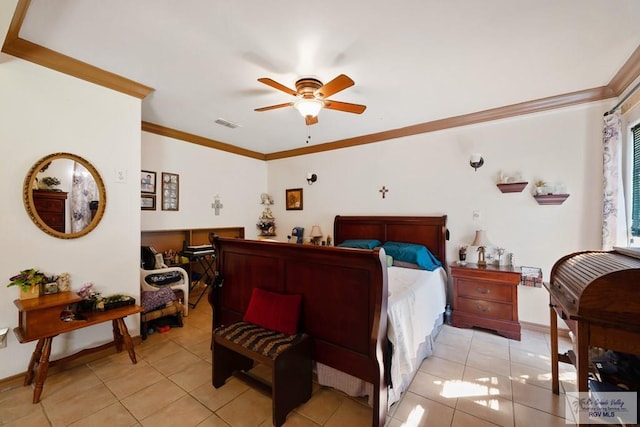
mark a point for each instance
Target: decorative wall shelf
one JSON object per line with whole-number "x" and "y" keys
{"x": 512, "y": 187}
{"x": 550, "y": 199}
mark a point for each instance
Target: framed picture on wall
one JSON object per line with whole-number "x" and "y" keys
{"x": 148, "y": 202}
{"x": 170, "y": 191}
{"x": 148, "y": 182}
{"x": 531, "y": 276}
{"x": 293, "y": 199}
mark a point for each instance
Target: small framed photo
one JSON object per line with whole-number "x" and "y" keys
{"x": 531, "y": 276}
{"x": 293, "y": 197}
{"x": 148, "y": 202}
{"x": 148, "y": 182}
{"x": 170, "y": 191}
{"x": 50, "y": 288}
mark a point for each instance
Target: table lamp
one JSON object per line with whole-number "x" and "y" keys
{"x": 481, "y": 241}
{"x": 315, "y": 234}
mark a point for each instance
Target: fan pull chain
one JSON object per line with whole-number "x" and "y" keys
{"x": 308, "y": 133}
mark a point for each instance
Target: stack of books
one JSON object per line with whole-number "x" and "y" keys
{"x": 199, "y": 250}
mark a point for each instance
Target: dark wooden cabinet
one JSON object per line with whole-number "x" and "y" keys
{"x": 486, "y": 297}
{"x": 51, "y": 208}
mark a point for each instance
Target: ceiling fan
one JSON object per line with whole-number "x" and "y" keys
{"x": 312, "y": 97}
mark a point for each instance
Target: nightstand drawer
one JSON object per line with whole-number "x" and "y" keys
{"x": 484, "y": 308}
{"x": 485, "y": 290}
{"x": 49, "y": 205}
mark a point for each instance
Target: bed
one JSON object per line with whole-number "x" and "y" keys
{"x": 347, "y": 308}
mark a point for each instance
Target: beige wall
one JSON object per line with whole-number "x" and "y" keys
{"x": 204, "y": 173}
{"x": 430, "y": 174}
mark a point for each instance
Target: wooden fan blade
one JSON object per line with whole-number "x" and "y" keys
{"x": 277, "y": 85}
{"x": 309, "y": 120}
{"x": 344, "y": 106}
{"x": 273, "y": 107}
{"x": 334, "y": 86}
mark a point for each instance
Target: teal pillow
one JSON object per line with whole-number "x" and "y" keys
{"x": 415, "y": 254}
{"x": 361, "y": 243}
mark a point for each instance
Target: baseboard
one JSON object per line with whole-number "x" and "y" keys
{"x": 68, "y": 362}
{"x": 536, "y": 327}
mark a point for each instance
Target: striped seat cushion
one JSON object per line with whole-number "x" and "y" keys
{"x": 264, "y": 341}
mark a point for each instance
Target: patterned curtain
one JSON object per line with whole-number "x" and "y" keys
{"x": 614, "y": 218}
{"x": 83, "y": 191}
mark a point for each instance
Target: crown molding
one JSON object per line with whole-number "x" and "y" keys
{"x": 32, "y": 52}
{"x": 195, "y": 139}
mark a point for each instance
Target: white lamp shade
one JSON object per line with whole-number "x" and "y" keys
{"x": 309, "y": 107}
{"x": 315, "y": 231}
{"x": 481, "y": 239}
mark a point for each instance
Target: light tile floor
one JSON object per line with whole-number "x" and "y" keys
{"x": 474, "y": 378}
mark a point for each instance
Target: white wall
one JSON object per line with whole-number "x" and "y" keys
{"x": 44, "y": 112}
{"x": 430, "y": 174}
{"x": 203, "y": 174}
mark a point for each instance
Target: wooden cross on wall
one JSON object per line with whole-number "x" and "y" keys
{"x": 383, "y": 190}
{"x": 217, "y": 206}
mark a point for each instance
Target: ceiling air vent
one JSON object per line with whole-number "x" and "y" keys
{"x": 227, "y": 123}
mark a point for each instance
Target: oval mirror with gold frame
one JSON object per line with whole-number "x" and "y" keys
{"x": 64, "y": 195}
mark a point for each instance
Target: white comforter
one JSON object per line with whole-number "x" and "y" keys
{"x": 416, "y": 300}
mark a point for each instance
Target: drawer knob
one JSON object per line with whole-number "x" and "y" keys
{"x": 483, "y": 290}
{"x": 484, "y": 309}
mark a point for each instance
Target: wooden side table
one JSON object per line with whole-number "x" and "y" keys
{"x": 486, "y": 297}
{"x": 40, "y": 319}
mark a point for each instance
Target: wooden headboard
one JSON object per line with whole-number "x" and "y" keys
{"x": 430, "y": 231}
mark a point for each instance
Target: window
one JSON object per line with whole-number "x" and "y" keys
{"x": 635, "y": 188}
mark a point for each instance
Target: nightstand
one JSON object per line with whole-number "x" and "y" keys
{"x": 486, "y": 297}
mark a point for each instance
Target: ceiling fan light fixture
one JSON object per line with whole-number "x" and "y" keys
{"x": 309, "y": 107}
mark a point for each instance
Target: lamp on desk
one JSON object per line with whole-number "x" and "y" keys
{"x": 316, "y": 234}
{"x": 481, "y": 241}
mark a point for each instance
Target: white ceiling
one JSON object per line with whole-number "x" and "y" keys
{"x": 412, "y": 61}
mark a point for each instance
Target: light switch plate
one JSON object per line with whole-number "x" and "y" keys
{"x": 121, "y": 176}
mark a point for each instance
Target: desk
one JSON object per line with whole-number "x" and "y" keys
{"x": 207, "y": 261}
{"x": 39, "y": 319}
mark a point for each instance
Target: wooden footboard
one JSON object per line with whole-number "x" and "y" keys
{"x": 344, "y": 300}
{"x": 344, "y": 290}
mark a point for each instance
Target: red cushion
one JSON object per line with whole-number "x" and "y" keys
{"x": 275, "y": 311}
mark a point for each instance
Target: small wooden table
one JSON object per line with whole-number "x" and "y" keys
{"x": 40, "y": 319}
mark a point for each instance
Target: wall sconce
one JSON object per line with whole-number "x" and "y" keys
{"x": 481, "y": 241}
{"x": 3, "y": 337}
{"x": 311, "y": 178}
{"x": 476, "y": 161}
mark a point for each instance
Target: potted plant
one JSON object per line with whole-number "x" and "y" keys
{"x": 462, "y": 254}
{"x": 49, "y": 182}
{"x": 539, "y": 186}
{"x": 90, "y": 298}
{"x": 29, "y": 281}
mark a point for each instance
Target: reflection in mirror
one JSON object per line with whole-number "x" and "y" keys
{"x": 64, "y": 195}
